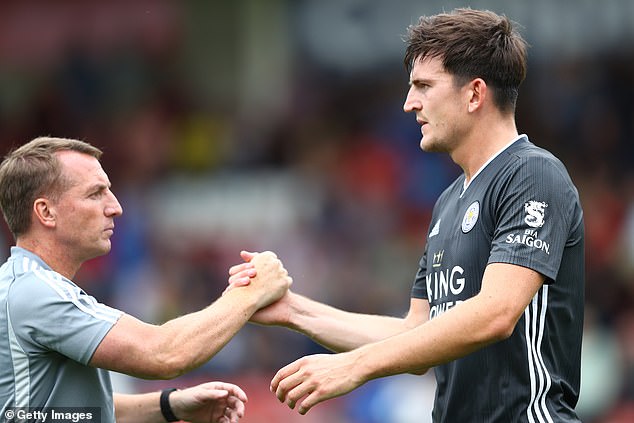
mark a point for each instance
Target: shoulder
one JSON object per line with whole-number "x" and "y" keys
{"x": 33, "y": 279}
{"x": 531, "y": 158}
{"x": 39, "y": 294}
{"x": 33, "y": 290}
{"x": 528, "y": 165}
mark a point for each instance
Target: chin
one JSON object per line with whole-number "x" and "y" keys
{"x": 102, "y": 249}
{"x": 429, "y": 146}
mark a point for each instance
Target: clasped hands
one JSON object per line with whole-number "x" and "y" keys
{"x": 308, "y": 380}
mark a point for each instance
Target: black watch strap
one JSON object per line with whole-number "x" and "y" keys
{"x": 166, "y": 408}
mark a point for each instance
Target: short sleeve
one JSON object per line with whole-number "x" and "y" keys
{"x": 419, "y": 289}
{"x": 534, "y": 210}
{"x": 48, "y": 312}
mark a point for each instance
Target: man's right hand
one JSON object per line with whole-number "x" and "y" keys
{"x": 271, "y": 280}
{"x": 276, "y": 313}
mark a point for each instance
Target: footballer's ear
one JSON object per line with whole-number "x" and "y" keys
{"x": 44, "y": 212}
{"x": 477, "y": 93}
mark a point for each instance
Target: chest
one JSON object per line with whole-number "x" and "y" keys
{"x": 458, "y": 248}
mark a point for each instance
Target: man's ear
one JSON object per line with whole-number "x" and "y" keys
{"x": 477, "y": 92}
{"x": 44, "y": 212}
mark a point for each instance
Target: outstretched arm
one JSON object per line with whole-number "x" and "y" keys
{"x": 335, "y": 329}
{"x": 212, "y": 402}
{"x": 180, "y": 345}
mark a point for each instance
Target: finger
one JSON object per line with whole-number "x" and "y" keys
{"x": 236, "y": 406}
{"x": 247, "y": 255}
{"x": 298, "y": 392}
{"x": 243, "y": 278}
{"x": 282, "y": 373}
{"x": 234, "y": 414}
{"x": 309, "y": 402}
{"x": 235, "y": 391}
{"x": 287, "y": 385}
{"x": 236, "y": 268}
{"x": 214, "y": 394}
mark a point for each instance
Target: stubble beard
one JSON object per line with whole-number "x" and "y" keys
{"x": 433, "y": 146}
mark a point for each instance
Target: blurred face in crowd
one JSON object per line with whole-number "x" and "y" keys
{"x": 438, "y": 103}
{"x": 85, "y": 211}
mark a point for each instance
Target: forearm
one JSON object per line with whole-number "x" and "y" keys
{"x": 180, "y": 345}
{"x": 488, "y": 317}
{"x": 142, "y": 408}
{"x": 340, "y": 330}
{"x": 454, "y": 334}
{"x": 197, "y": 337}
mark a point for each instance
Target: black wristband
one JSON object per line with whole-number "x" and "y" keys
{"x": 166, "y": 408}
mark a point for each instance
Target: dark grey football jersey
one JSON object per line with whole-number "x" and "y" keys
{"x": 522, "y": 208}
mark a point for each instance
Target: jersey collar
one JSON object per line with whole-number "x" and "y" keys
{"x": 466, "y": 184}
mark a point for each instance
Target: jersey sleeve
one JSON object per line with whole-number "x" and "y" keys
{"x": 534, "y": 209}
{"x": 419, "y": 289}
{"x": 51, "y": 313}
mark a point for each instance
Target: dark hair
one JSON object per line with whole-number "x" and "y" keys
{"x": 31, "y": 171}
{"x": 472, "y": 44}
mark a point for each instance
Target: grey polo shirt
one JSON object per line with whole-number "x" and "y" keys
{"x": 49, "y": 330}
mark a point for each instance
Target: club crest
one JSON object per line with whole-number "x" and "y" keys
{"x": 470, "y": 217}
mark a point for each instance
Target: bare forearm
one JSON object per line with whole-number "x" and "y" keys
{"x": 489, "y": 317}
{"x": 340, "y": 330}
{"x": 167, "y": 351}
{"x": 142, "y": 408}
{"x": 454, "y": 334}
{"x": 182, "y": 344}
{"x": 194, "y": 338}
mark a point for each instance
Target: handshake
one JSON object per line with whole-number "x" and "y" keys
{"x": 263, "y": 277}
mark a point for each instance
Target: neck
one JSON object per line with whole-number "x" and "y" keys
{"x": 482, "y": 143}
{"x": 51, "y": 255}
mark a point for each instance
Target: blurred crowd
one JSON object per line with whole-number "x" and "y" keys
{"x": 214, "y": 145}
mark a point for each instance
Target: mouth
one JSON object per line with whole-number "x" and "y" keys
{"x": 422, "y": 124}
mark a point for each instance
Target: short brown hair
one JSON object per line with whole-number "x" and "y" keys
{"x": 473, "y": 44}
{"x": 31, "y": 171}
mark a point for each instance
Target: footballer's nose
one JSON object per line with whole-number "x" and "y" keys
{"x": 412, "y": 103}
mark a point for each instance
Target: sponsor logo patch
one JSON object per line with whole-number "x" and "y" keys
{"x": 535, "y": 211}
{"x": 530, "y": 238}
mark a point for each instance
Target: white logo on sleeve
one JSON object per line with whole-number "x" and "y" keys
{"x": 534, "y": 213}
{"x": 470, "y": 217}
{"x": 435, "y": 230}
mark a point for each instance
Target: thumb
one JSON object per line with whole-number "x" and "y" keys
{"x": 213, "y": 394}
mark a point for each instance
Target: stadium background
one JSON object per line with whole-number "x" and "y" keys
{"x": 278, "y": 125}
